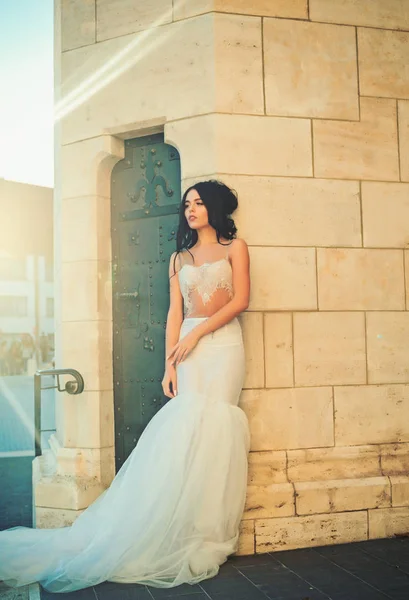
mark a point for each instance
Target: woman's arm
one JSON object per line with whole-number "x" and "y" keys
{"x": 175, "y": 312}
{"x": 241, "y": 285}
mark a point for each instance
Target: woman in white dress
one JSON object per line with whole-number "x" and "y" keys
{"x": 172, "y": 513}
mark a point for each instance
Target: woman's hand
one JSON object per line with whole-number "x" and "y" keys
{"x": 169, "y": 377}
{"x": 183, "y": 347}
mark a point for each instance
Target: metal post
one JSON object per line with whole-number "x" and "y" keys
{"x": 37, "y": 414}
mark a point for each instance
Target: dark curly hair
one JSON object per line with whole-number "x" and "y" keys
{"x": 220, "y": 201}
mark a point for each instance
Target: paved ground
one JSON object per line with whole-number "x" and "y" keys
{"x": 7, "y": 593}
{"x": 16, "y": 492}
{"x": 372, "y": 570}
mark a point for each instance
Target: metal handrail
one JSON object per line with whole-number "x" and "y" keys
{"x": 71, "y": 387}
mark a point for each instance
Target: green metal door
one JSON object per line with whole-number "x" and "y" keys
{"x": 145, "y": 203}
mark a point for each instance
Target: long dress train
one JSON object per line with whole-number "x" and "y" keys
{"x": 172, "y": 513}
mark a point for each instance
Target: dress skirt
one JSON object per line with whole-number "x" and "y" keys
{"x": 173, "y": 511}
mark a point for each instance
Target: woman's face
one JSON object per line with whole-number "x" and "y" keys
{"x": 195, "y": 210}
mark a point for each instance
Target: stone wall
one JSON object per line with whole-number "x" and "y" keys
{"x": 303, "y": 107}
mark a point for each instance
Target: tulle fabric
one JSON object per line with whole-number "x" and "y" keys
{"x": 172, "y": 513}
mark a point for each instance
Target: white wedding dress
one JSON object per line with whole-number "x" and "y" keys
{"x": 173, "y": 511}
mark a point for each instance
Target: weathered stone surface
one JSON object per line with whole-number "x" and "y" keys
{"x": 289, "y": 418}
{"x": 120, "y": 17}
{"x": 266, "y": 468}
{"x": 329, "y": 348}
{"x": 265, "y": 501}
{"x": 279, "y": 146}
{"x": 86, "y": 290}
{"x": 387, "y": 522}
{"x": 87, "y": 227}
{"x": 78, "y": 26}
{"x": 89, "y": 344}
{"x": 395, "y": 459}
{"x": 400, "y": 490}
{"x": 268, "y": 8}
{"x": 403, "y": 112}
{"x": 94, "y": 79}
{"x": 297, "y": 211}
{"x": 310, "y": 70}
{"x": 246, "y": 539}
{"x": 372, "y": 414}
{"x": 387, "y": 343}
{"x": 252, "y": 328}
{"x": 89, "y": 420}
{"x": 316, "y": 530}
{"x": 291, "y": 284}
{"x": 279, "y": 350}
{"x": 385, "y": 214}
{"x": 339, "y": 495}
{"x": 51, "y": 518}
{"x": 318, "y": 464}
{"x": 383, "y": 59}
{"x": 388, "y": 14}
{"x": 360, "y": 279}
{"x": 407, "y": 277}
{"x": 367, "y": 149}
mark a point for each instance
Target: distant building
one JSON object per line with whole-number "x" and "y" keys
{"x": 26, "y": 260}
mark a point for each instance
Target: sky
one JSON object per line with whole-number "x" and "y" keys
{"x": 26, "y": 91}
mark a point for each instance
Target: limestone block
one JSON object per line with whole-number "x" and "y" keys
{"x": 88, "y": 348}
{"x": 291, "y": 284}
{"x": 154, "y": 91}
{"x": 89, "y": 420}
{"x": 254, "y": 145}
{"x": 389, "y": 14}
{"x": 246, "y": 538}
{"x": 407, "y": 277}
{"x": 316, "y": 464}
{"x": 238, "y": 47}
{"x": 400, "y": 490}
{"x": 86, "y": 290}
{"x": 310, "y": 70}
{"x": 360, "y": 279}
{"x": 86, "y": 229}
{"x": 395, "y": 459}
{"x": 372, "y": 414}
{"x": 383, "y": 58}
{"x": 77, "y": 23}
{"x": 253, "y": 338}
{"x": 297, "y": 211}
{"x": 87, "y": 462}
{"x": 51, "y": 518}
{"x": 403, "y": 112}
{"x": 67, "y": 492}
{"x": 387, "y": 522}
{"x": 367, "y": 149}
{"x": 289, "y": 533}
{"x": 266, "y": 468}
{"x": 329, "y": 348}
{"x": 289, "y": 418}
{"x": 278, "y": 335}
{"x": 87, "y": 165}
{"x": 385, "y": 209}
{"x": 339, "y": 495}
{"x": 121, "y": 17}
{"x": 268, "y": 8}
{"x": 266, "y": 501}
{"x": 387, "y": 341}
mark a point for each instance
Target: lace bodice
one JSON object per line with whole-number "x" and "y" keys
{"x": 205, "y": 288}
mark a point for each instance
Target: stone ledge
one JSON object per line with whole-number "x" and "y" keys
{"x": 348, "y": 462}
{"x": 289, "y": 533}
{"x": 340, "y": 495}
